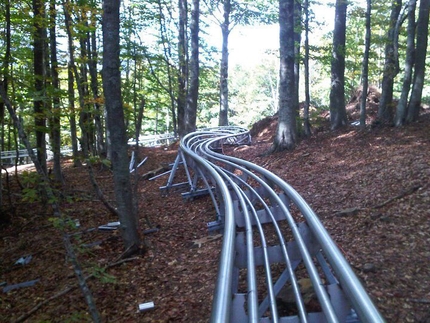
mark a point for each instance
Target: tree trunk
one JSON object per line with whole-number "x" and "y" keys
{"x": 183, "y": 67}
{"x": 115, "y": 125}
{"x": 338, "y": 116}
{"x": 56, "y": 112}
{"x": 420, "y": 62}
{"x": 409, "y": 63}
{"x": 75, "y": 74}
{"x": 193, "y": 90}
{"x": 365, "y": 68}
{"x": 39, "y": 39}
{"x": 391, "y": 66}
{"x": 92, "y": 65}
{"x": 72, "y": 116}
{"x": 85, "y": 115}
{"x": 225, "y": 30}
{"x": 168, "y": 58}
{"x": 297, "y": 42}
{"x": 6, "y": 62}
{"x": 306, "y": 122}
{"x": 286, "y": 133}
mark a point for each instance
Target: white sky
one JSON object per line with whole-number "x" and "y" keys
{"x": 247, "y": 44}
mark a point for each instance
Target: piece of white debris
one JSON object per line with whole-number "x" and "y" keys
{"x": 24, "y": 260}
{"x": 146, "y": 306}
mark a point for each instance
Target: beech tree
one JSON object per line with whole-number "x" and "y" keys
{"x": 116, "y": 126}
{"x": 365, "y": 67}
{"x": 409, "y": 62}
{"x": 39, "y": 39}
{"x": 420, "y": 62}
{"x": 391, "y": 65}
{"x": 286, "y": 132}
{"x": 338, "y": 116}
{"x": 183, "y": 65}
{"x": 194, "y": 70}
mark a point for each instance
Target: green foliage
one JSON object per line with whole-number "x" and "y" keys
{"x": 103, "y": 276}
{"x": 78, "y": 317}
{"x": 63, "y": 223}
{"x": 31, "y": 183}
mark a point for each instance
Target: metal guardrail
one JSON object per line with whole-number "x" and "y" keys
{"x": 154, "y": 140}
{"x": 272, "y": 240}
{"x": 9, "y": 157}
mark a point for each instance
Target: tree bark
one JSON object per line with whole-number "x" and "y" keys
{"x": 225, "y": 30}
{"x": 286, "y": 132}
{"x": 72, "y": 116}
{"x": 297, "y": 42}
{"x": 92, "y": 66}
{"x": 39, "y": 39}
{"x": 193, "y": 90}
{"x": 365, "y": 68}
{"x": 183, "y": 67}
{"x": 401, "y": 112}
{"x": 391, "y": 66}
{"x": 116, "y": 126}
{"x": 56, "y": 111}
{"x": 306, "y": 122}
{"x": 420, "y": 62}
{"x": 338, "y": 116}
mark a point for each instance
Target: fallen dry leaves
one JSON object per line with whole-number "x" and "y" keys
{"x": 333, "y": 171}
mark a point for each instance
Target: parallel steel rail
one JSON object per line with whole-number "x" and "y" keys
{"x": 272, "y": 240}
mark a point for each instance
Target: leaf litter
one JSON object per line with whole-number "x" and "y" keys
{"x": 382, "y": 176}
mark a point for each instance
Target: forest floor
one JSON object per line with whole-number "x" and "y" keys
{"x": 380, "y": 176}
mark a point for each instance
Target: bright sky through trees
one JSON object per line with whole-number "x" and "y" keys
{"x": 249, "y": 44}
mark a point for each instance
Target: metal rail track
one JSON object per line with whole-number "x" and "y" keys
{"x": 272, "y": 240}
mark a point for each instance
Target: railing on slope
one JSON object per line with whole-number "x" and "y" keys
{"x": 258, "y": 212}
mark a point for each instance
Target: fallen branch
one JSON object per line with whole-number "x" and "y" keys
{"x": 401, "y": 195}
{"x": 355, "y": 210}
{"x": 155, "y": 172}
{"x": 26, "y": 315}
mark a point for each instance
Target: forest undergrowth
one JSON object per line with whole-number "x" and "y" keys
{"x": 370, "y": 188}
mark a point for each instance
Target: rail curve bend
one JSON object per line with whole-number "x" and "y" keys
{"x": 274, "y": 245}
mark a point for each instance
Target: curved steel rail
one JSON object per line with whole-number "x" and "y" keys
{"x": 249, "y": 199}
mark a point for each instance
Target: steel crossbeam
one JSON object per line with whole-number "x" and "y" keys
{"x": 272, "y": 240}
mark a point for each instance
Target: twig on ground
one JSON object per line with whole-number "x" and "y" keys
{"x": 26, "y": 315}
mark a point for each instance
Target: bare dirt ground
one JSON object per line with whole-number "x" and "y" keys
{"x": 370, "y": 188}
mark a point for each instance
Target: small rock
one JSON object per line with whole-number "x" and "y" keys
{"x": 369, "y": 268}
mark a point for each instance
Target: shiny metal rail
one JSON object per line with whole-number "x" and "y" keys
{"x": 272, "y": 240}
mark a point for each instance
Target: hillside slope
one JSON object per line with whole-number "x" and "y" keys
{"x": 371, "y": 189}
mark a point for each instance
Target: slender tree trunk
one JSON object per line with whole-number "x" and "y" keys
{"x": 193, "y": 90}
{"x": 297, "y": 43}
{"x": 391, "y": 66}
{"x": 39, "y": 39}
{"x": 225, "y": 30}
{"x": 6, "y": 62}
{"x": 85, "y": 116}
{"x": 401, "y": 112}
{"x": 72, "y": 116}
{"x": 168, "y": 58}
{"x": 307, "y": 125}
{"x": 365, "y": 68}
{"x": 116, "y": 126}
{"x": 183, "y": 67}
{"x": 420, "y": 62}
{"x": 80, "y": 87}
{"x": 98, "y": 113}
{"x": 286, "y": 132}
{"x": 56, "y": 112}
{"x": 338, "y": 116}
